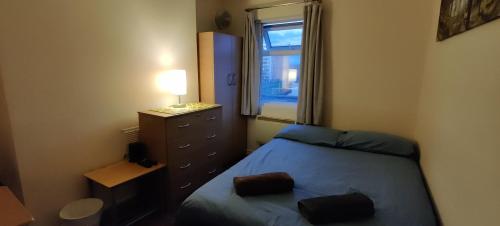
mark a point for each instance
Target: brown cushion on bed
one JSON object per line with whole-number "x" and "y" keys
{"x": 336, "y": 208}
{"x": 267, "y": 183}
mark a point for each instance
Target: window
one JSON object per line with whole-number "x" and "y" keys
{"x": 280, "y": 65}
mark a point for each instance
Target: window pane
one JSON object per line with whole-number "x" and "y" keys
{"x": 279, "y": 78}
{"x": 285, "y": 38}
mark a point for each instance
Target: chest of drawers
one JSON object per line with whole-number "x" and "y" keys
{"x": 188, "y": 144}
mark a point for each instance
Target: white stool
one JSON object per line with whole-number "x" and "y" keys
{"x": 83, "y": 212}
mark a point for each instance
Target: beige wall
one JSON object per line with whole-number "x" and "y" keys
{"x": 459, "y": 123}
{"x": 205, "y": 14}
{"x": 9, "y": 174}
{"x": 75, "y": 73}
{"x": 374, "y": 61}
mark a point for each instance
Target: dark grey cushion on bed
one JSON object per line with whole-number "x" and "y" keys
{"x": 353, "y": 140}
{"x": 378, "y": 143}
{"x": 393, "y": 183}
{"x": 310, "y": 135}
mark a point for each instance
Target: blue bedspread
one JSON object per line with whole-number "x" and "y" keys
{"x": 394, "y": 183}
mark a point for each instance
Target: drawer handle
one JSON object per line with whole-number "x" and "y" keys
{"x": 185, "y": 186}
{"x": 212, "y": 118}
{"x": 184, "y": 146}
{"x": 212, "y": 154}
{"x": 184, "y": 126}
{"x": 212, "y": 171}
{"x": 185, "y": 166}
{"x": 212, "y": 137}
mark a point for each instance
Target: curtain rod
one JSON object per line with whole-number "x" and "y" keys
{"x": 281, "y": 3}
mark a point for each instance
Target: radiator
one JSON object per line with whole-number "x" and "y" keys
{"x": 131, "y": 134}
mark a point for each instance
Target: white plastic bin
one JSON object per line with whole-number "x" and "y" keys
{"x": 83, "y": 212}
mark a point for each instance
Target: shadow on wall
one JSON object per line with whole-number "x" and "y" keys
{"x": 9, "y": 174}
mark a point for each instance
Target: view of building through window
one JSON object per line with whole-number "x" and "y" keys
{"x": 279, "y": 78}
{"x": 280, "y": 65}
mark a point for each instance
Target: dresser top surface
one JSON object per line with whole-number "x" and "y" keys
{"x": 172, "y": 112}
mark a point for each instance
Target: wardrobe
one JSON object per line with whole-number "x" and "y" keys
{"x": 219, "y": 59}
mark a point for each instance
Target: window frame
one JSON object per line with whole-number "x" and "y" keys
{"x": 281, "y": 50}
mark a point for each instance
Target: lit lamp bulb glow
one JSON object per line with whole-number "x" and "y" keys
{"x": 174, "y": 82}
{"x": 292, "y": 75}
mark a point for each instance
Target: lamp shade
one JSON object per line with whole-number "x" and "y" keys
{"x": 173, "y": 81}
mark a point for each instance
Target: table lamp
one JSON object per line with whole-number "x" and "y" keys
{"x": 174, "y": 81}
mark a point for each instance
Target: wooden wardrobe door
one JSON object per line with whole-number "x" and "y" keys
{"x": 235, "y": 150}
{"x": 220, "y": 57}
{"x": 233, "y": 88}
{"x": 239, "y": 122}
{"x": 223, "y": 95}
{"x": 242, "y": 120}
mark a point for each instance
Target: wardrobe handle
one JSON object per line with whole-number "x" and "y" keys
{"x": 212, "y": 118}
{"x": 212, "y": 171}
{"x": 228, "y": 79}
{"x": 184, "y": 126}
{"x": 212, "y": 154}
{"x": 185, "y": 166}
{"x": 185, "y": 186}
{"x": 184, "y": 146}
{"x": 233, "y": 80}
{"x": 212, "y": 137}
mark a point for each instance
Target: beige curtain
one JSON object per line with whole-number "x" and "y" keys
{"x": 251, "y": 67}
{"x": 310, "y": 106}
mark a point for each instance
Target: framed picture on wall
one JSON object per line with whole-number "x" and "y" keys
{"x": 457, "y": 16}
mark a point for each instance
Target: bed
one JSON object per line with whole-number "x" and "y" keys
{"x": 321, "y": 164}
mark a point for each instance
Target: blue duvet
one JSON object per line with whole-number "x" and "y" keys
{"x": 394, "y": 184}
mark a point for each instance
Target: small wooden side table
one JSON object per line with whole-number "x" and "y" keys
{"x": 12, "y": 212}
{"x": 105, "y": 182}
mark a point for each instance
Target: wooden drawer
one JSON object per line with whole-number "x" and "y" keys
{"x": 181, "y": 188}
{"x": 210, "y": 156}
{"x": 182, "y": 126}
{"x": 182, "y": 182}
{"x": 210, "y": 138}
{"x": 211, "y": 118}
{"x": 212, "y": 150}
{"x": 184, "y": 148}
{"x": 183, "y": 168}
{"x": 210, "y": 161}
{"x": 208, "y": 171}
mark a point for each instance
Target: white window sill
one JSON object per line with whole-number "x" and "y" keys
{"x": 279, "y": 110}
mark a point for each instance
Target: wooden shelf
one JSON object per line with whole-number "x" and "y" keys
{"x": 12, "y": 212}
{"x": 119, "y": 173}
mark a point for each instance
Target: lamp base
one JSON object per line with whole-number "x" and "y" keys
{"x": 178, "y": 106}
